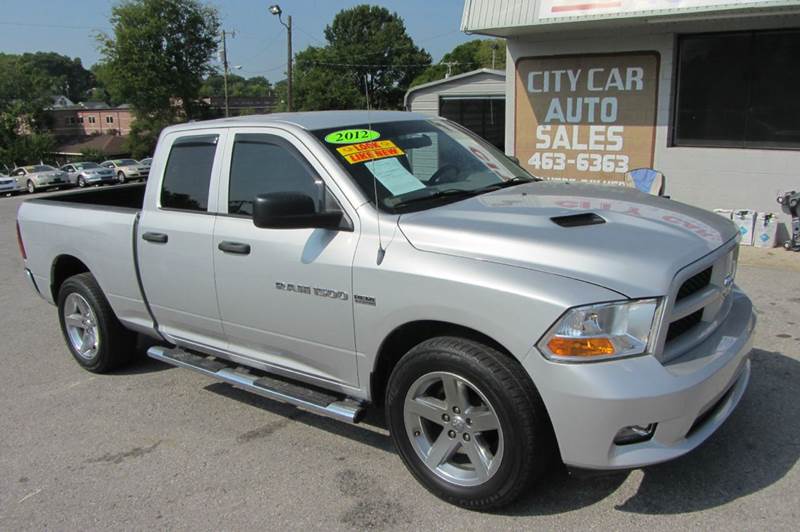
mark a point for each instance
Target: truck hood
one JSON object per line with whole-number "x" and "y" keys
{"x": 635, "y": 247}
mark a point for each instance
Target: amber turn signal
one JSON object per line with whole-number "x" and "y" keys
{"x": 580, "y": 347}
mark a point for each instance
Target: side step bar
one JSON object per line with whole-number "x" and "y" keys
{"x": 312, "y": 399}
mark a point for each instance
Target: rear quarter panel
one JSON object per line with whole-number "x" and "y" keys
{"x": 100, "y": 237}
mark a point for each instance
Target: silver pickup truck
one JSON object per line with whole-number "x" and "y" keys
{"x": 338, "y": 260}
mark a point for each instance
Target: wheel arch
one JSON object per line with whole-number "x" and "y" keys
{"x": 64, "y": 266}
{"x": 398, "y": 342}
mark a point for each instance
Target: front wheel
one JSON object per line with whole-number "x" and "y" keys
{"x": 31, "y": 186}
{"x": 81, "y": 182}
{"x": 121, "y": 176}
{"x": 94, "y": 336}
{"x": 468, "y": 423}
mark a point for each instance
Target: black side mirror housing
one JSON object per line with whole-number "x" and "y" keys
{"x": 292, "y": 210}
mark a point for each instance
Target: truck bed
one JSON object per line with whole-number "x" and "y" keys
{"x": 94, "y": 228}
{"x": 127, "y": 196}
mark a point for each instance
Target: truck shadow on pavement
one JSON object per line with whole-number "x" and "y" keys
{"x": 756, "y": 447}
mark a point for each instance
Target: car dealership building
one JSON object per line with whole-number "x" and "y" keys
{"x": 705, "y": 91}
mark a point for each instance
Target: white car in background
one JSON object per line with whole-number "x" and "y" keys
{"x": 82, "y": 174}
{"x": 127, "y": 169}
{"x": 39, "y": 176}
{"x": 8, "y": 185}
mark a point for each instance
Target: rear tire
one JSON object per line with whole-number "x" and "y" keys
{"x": 497, "y": 421}
{"x": 94, "y": 335}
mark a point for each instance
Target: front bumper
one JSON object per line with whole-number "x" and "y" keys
{"x": 11, "y": 187}
{"x": 688, "y": 398}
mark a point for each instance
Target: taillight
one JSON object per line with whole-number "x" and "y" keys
{"x": 21, "y": 245}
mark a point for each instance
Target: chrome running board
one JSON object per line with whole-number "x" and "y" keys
{"x": 300, "y": 395}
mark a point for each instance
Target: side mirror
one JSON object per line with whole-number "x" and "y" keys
{"x": 292, "y": 210}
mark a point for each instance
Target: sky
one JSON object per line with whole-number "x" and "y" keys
{"x": 259, "y": 46}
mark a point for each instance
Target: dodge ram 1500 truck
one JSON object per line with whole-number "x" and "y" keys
{"x": 337, "y": 260}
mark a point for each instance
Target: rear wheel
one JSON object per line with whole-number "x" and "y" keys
{"x": 468, "y": 423}
{"x": 94, "y": 336}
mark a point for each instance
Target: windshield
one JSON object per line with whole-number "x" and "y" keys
{"x": 40, "y": 168}
{"x": 86, "y": 166}
{"x": 125, "y": 162}
{"x": 418, "y": 164}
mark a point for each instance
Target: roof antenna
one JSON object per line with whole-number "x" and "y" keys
{"x": 381, "y": 250}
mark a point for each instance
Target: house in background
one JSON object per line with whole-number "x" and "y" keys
{"x": 70, "y": 119}
{"x": 476, "y": 100}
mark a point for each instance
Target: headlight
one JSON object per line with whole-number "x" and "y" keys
{"x": 601, "y": 332}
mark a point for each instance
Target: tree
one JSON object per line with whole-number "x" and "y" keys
{"x": 238, "y": 87}
{"x": 467, "y": 56}
{"x": 156, "y": 60}
{"x": 367, "y": 48}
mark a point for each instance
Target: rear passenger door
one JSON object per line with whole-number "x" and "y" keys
{"x": 307, "y": 329}
{"x": 174, "y": 239}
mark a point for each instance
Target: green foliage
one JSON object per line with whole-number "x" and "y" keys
{"x": 238, "y": 86}
{"x": 27, "y": 149}
{"x": 368, "y": 47}
{"x": 92, "y": 155}
{"x": 467, "y": 56}
{"x": 144, "y": 134}
{"x": 158, "y": 56}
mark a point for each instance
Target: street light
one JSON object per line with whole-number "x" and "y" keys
{"x": 277, "y": 11}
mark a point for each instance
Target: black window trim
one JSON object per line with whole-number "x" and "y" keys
{"x": 673, "y": 102}
{"x": 191, "y": 139}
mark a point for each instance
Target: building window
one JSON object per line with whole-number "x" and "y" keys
{"x": 485, "y": 116}
{"x": 109, "y": 119}
{"x": 738, "y": 90}
{"x": 70, "y": 120}
{"x": 92, "y": 120}
{"x": 80, "y": 120}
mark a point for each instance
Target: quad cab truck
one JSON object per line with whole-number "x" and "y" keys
{"x": 341, "y": 260}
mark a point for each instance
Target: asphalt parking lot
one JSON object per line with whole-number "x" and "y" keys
{"x": 160, "y": 447}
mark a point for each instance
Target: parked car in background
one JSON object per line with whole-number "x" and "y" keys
{"x": 146, "y": 161}
{"x": 8, "y": 185}
{"x": 82, "y": 174}
{"x": 38, "y": 177}
{"x": 127, "y": 169}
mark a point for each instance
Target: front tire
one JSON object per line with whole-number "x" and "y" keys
{"x": 468, "y": 423}
{"x": 31, "y": 187}
{"x": 121, "y": 176}
{"x": 81, "y": 182}
{"x": 94, "y": 336}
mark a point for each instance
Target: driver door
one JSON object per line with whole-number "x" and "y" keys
{"x": 285, "y": 295}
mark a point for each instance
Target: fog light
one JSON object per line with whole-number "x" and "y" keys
{"x": 634, "y": 434}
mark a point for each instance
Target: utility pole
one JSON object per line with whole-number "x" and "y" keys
{"x": 225, "y": 66}
{"x": 276, "y": 10}
{"x": 289, "y": 64}
{"x": 449, "y": 68}
{"x": 494, "y": 53}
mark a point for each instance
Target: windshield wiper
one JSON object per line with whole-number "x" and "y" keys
{"x": 516, "y": 180}
{"x": 446, "y": 193}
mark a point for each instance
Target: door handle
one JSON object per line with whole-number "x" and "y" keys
{"x": 159, "y": 238}
{"x": 234, "y": 247}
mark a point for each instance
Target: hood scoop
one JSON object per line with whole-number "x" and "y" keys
{"x": 578, "y": 220}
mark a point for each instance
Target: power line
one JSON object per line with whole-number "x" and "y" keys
{"x": 60, "y": 26}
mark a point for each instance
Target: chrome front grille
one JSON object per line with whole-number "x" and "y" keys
{"x": 698, "y": 302}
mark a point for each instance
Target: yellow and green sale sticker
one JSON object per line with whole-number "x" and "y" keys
{"x": 369, "y": 151}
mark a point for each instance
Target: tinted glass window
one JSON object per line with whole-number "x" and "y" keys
{"x": 265, "y": 163}
{"x": 188, "y": 173}
{"x": 738, "y": 90}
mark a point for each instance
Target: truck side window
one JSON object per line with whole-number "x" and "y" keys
{"x": 188, "y": 173}
{"x": 266, "y": 163}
